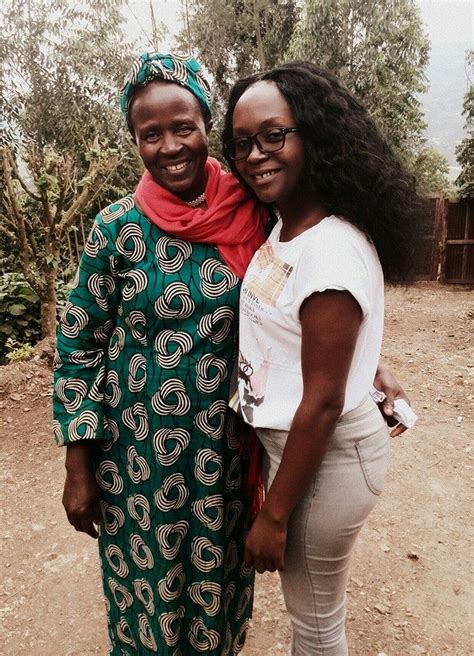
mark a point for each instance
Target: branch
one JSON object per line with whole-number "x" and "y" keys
{"x": 17, "y": 175}
{"x": 22, "y": 240}
{"x": 5, "y": 218}
{"x": 116, "y": 162}
{"x": 85, "y": 198}
{"x": 7, "y": 233}
{"x": 258, "y": 34}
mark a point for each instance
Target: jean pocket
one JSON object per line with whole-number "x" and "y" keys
{"x": 373, "y": 453}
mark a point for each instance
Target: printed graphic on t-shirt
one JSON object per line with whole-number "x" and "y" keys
{"x": 269, "y": 276}
{"x": 252, "y": 385}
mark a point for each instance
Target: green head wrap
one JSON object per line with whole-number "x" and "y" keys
{"x": 185, "y": 71}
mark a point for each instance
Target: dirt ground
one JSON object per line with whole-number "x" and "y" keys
{"x": 410, "y": 590}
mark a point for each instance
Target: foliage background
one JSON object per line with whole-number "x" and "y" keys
{"x": 66, "y": 152}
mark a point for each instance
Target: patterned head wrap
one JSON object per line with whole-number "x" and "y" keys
{"x": 185, "y": 71}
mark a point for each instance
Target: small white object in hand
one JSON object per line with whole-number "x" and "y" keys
{"x": 402, "y": 412}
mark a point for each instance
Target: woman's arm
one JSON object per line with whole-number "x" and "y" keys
{"x": 80, "y": 374}
{"x": 386, "y": 382}
{"x": 327, "y": 348}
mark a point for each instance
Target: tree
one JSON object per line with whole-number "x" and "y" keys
{"x": 432, "y": 171}
{"x": 379, "y": 50}
{"x": 64, "y": 146}
{"x": 234, "y": 39}
{"x": 465, "y": 150}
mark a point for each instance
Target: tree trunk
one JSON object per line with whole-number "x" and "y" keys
{"x": 258, "y": 34}
{"x": 48, "y": 306}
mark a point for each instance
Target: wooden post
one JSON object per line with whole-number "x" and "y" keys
{"x": 441, "y": 238}
{"x": 465, "y": 251}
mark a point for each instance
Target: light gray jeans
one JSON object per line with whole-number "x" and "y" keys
{"x": 324, "y": 525}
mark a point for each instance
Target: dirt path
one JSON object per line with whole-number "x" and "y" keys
{"x": 409, "y": 592}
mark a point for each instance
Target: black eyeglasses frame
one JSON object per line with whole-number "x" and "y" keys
{"x": 253, "y": 139}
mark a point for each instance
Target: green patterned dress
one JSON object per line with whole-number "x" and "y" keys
{"x": 145, "y": 349}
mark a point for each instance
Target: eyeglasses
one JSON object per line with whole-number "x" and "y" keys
{"x": 267, "y": 141}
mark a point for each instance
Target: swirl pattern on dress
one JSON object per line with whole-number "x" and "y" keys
{"x": 202, "y": 420}
{"x": 137, "y": 373}
{"x": 171, "y": 346}
{"x": 206, "y": 594}
{"x": 144, "y": 593}
{"x": 211, "y": 373}
{"x": 74, "y": 320}
{"x": 170, "y": 537}
{"x": 113, "y": 517}
{"x": 130, "y": 243}
{"x": 136, "y": 418}
{"x": 217, "y": 325}
{"x": 171, "y": 253}
{"x": 175, "y": 302}
{"x": 173, "y": 387}
{"x": 84, "y": 426}
{"x": 101, "y": 286}
{"x": 210, "y": 511}
{"x": 202, "y": 638}
{"x": 137, "y": 466}
{"x": 136, "y": 282}
{"x": 124, "y": 633}
{"x": 108, "y": 477}
{"x": 170, "y": 625}
{"x": 116, "y": 560}
{"x": 138, "y": 508}
{"x": 141, "y": 552}
{"x": 171, "y": 586}
{"x": 205, "y": 555}
{"x": 72, "y": 393}
{"x": 121, "y": 595}
{"x": 214, "y": 285}
{"x": 203, "y": 459}
{"x": 145, "y": 633}
{"x": 118, "y": 209}
{"x": 173, "y": 494}
{"x": 162, "y": 441}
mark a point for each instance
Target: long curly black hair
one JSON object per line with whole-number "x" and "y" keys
{"x": 349, "y": 164}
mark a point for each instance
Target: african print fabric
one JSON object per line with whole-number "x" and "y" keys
{"x": 178, "y": 68}
{"x": 145, "y": 348}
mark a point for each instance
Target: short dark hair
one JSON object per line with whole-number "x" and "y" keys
{"x": 349, "y": 164}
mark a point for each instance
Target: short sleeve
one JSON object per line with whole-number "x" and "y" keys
{"x": 336, "y": 257}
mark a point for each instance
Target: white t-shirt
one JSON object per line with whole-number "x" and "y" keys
{"x": 333, "y": 254}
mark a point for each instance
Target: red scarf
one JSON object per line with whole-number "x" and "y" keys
{"x": 231, "y": 221}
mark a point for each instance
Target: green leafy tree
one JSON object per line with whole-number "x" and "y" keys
{"x": 64, "y": 147}
{"x": 379, "y": 50}
{"x": 234, "y": 39}
{"x": 465, "y": 150}
{"x": 432, "y": 171}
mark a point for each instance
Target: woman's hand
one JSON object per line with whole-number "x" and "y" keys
{"x": 265, "y": 544}
{"x": 81, "y": 496}
{"x": 389, "y": 385}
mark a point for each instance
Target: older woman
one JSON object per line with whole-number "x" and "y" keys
{"x": 145, "y": 349}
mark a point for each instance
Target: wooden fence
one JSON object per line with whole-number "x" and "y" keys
{"x": 447, "y": 253}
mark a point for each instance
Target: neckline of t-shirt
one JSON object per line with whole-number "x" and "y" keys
{"x": 279, "y": 225}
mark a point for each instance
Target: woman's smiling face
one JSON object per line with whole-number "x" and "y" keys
{"x": 274, "y": 177}
{"x": 172, "y": 137}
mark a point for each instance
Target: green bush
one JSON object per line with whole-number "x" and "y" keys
{"x": 18, "y": 352}
{"x": 20, "y": 311}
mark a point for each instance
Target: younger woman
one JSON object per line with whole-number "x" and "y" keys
{"x": 311, "y": 328}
